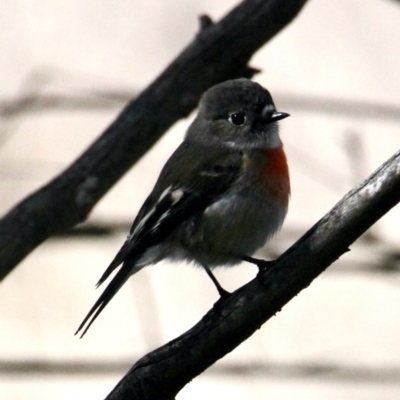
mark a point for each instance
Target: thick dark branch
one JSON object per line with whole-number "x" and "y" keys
{"x": 220, "y": 51}
{"x": 164, "y": 372}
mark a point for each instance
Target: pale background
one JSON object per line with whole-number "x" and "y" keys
{"x": 339, "y": 339}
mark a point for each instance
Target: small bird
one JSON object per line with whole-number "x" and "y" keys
{"x": 221, "y": 195}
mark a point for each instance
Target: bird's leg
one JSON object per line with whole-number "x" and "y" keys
{"x": 261, "y": 264}
{"x": 222, "y": 292}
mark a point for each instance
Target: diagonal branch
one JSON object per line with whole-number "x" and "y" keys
{"x": 164, "y": 372}
{"x": 220, "y": 51}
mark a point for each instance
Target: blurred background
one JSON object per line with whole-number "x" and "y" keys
{"x": 66, "y": 70}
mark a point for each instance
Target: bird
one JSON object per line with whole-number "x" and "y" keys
{"x": 219, "y": 198}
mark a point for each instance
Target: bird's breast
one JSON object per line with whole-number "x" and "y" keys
{"x": 273, "y": 172}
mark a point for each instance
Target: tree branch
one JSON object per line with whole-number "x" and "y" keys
{"x": 164, "y": 372}
{"x": 219, "y": 52}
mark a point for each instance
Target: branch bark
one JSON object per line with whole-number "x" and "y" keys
{"x": 219, "y": 52}
{"x": 164, "y": 372}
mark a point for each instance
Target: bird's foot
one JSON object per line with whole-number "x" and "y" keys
{"x": 261, "y": 264}
{"x": 224, "y": 296}
{"x": 222, "y": 292}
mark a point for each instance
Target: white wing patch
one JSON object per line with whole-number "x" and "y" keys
{"x": 145, "y": 218}
{"x": 175, "y": 196}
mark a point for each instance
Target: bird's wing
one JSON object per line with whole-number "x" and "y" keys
{"x": 176, "y": 196}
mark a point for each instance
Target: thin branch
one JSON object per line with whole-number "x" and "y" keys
{"x": 164, "y": 372}
{"x": 220, "y": 51}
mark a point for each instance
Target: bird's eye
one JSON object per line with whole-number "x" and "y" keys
{"x": 237, "y": 119}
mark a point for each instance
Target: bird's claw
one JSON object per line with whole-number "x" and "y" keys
{"x": 261, "y": 264}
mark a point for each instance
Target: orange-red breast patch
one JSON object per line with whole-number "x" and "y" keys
{"x": 275, "y": 174}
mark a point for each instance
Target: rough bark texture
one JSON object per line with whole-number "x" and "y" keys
{"x": 219, "y": 52}
{"x": 164, "y": 372}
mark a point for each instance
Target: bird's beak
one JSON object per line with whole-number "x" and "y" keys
{"x": 277, "y": 116}
{"x": 269, "y": 114}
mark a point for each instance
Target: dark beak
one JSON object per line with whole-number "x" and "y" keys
{"x": 276, "y": 116}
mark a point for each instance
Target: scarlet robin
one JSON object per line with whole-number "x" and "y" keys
{"x": 221, "y": 195}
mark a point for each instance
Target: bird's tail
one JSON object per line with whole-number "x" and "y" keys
{"x": 116, "y": 283}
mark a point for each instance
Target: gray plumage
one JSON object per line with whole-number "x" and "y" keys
{"x": 212, "y": 202}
